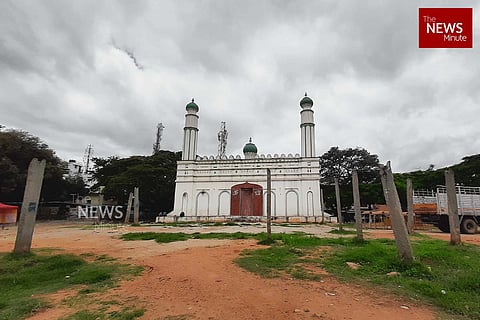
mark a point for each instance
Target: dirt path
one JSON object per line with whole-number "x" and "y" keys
{"x": 197, "y": 279}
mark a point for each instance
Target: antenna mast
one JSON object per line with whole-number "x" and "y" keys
{"x": 156, "y": 145}
{"x": 222, "y": 140}
{"x": 86, "y": 158}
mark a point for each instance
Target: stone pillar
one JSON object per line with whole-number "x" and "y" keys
{"x": 129, "y": 207}
{"x": 452, "y": 207}
{"x": 269, "y": 204}
{"x": 410, "y": 219}
{"x": 28, "y": 215}
{"x": 400, "y": 233}
{"x": 136, "y": 205}
{"x": 356, "y": 205}
{"x": 339, "y": 205}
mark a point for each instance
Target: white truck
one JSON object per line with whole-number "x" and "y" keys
{"x": 433, "y": 206}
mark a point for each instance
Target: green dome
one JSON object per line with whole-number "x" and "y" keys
{"x": 192, "y": 105}
{"x": 250, "y": 147}
{"x": 306, "y": 100}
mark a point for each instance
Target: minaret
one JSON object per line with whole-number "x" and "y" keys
{"x": 307, "y": 127}
{"x": 190, "y": 132}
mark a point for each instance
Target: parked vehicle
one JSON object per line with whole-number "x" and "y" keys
{"x": 433, "y": 207}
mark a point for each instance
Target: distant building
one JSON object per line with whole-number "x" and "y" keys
{"x": 234, "y": 186}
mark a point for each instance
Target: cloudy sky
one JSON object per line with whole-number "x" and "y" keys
{"x": 105, "y": 73}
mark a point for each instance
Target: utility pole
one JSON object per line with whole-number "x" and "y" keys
{"x": 410, "y": 218}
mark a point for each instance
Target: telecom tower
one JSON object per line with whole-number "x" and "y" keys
{"x": 86, "y": 159}
{"x": 222, "y": 140}
{"x": 156, "y": 145}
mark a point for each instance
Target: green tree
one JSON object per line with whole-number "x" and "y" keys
{"x": 154, "y": 175}
{"x": 17, "y": 149}
{"x": 340, "y": 163}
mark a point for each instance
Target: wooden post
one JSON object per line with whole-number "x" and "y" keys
{"x": 269, "y": 205}
{"x": 400, "y": 233}
{"x": 452, "y": 207}
{"x": 322, "y": 205}
{"x": 28, "y": 215}
{"x": 356, "y": 205}
{"x": 129, "y": 207}
{"x": 339, "y": 205}
{"x": 410, "y": 219}
{"x": 136, "y": 205}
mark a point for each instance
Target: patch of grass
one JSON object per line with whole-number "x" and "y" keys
{"x": 344, "y": 231}
{"x": 28, "y": 275}
{"x": 164, "y": 237}
{"x": 444, "y": 275}
{"x": 124, "y": 314}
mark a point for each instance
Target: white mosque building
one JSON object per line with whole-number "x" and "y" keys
{"x": 235, "y": 186}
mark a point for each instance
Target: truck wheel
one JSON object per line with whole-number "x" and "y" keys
{"x": 444, "y": 224}
{"x": 468, "y": 225}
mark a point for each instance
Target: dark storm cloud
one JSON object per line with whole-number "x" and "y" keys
{"x": 247, "y": 63}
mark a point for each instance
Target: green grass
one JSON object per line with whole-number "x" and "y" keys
{"x": 124, "y": 314}
{"x": 443, "y": 275}
{"x": 24, "y": 276}
{"x": 165, "y": 237}
{"x": 344, "y": 231}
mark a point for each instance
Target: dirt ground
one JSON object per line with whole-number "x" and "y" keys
{"x": 197, "y": 279}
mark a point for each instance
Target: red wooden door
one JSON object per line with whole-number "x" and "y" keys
{"x": 246, "y": 202}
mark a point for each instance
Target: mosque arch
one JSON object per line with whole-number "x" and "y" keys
{"x": 310, "y": 207}
{"x": 223, "y": 203}
{"x": 202, "y": 205}
{"x": 184, "y": 203}
{"x": 291, "y": 203}
{"x": 274, "y": 204}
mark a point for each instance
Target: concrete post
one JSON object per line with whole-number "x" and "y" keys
{"x": 339, "y": 205}
{"x": 410, "y": 219}
{"x": 322, "y": 205}
{"x": 452, "y": 207}
{"x": 400, "y": 233}
{"x": 129, "y": 207}
{"x": 269, "y": 205}
{"x": 26, "y": 224}
{"x": 356, "y": 205}
{"x": 136, "y": 205}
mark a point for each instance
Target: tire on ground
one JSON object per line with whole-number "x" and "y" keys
{"x": 468, "y": 225}
{"x": 443, "y": 223}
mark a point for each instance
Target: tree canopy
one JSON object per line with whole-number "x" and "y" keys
{"x": 339, "y": 163}
{"x": 154, "y": 175}
{"x": 17, "y": 149}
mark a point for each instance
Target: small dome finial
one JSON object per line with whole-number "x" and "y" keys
{"x": 193, "y": 100}
{"x": 250, "y": 140}
{"x": 305, "y": 93}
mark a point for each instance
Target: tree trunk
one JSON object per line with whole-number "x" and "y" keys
{"x": 269, "y": 205}
{"x": 400, "y": 233}
{"x": 28, "y": 215}
{"x": 410, "y": 220}
{"x": 356, "y": 205}
{"x": 452, "y": 207}
{"x": 339, "y": 205}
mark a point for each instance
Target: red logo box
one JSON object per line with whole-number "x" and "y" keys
{"x": 445, "y": 27}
